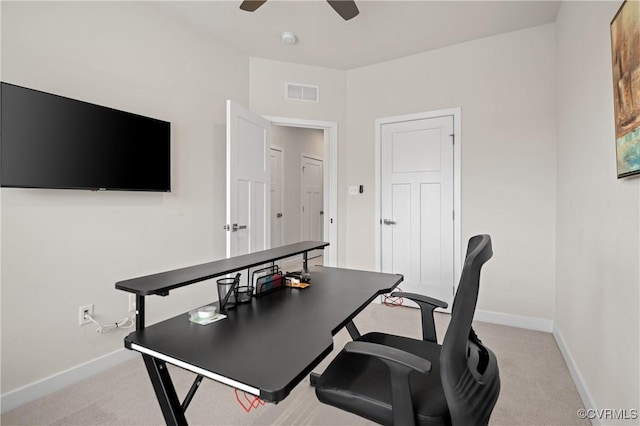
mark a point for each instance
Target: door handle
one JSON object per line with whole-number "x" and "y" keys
{"x": 235, "y": 227}
{"x": 389, "y": 222}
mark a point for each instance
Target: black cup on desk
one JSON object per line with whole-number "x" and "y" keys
{"x": 244, "y": 294}
{"x": 227, "y": 289}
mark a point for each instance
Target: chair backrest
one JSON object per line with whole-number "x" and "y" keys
{"x": 469, "y": 370}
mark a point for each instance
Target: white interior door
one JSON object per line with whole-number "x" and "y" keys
{"x": 417, "y": 226}
{"x": 312, "y": 215}
{"x": 248, "y": 181}
{"x": 276, "y": 197}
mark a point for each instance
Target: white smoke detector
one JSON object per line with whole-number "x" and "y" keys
{"x": 289, "y": 37}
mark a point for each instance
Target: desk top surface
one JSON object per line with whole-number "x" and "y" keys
{"x": 276, "y": 340}
{"x": 162, "y": 282}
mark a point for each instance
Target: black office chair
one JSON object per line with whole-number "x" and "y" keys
{"x": 402, "y": 381}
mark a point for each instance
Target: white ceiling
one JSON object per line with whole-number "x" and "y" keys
{"x": 383, "y": 30}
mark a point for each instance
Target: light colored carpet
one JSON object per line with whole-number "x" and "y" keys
{"x": 536, "y": 387}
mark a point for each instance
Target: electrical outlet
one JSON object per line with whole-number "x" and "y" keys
{"x": 86, "y": 309}
{"x": 132, "y": 303}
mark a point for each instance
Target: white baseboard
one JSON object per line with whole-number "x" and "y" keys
{"x": 61, "y": 380}
{"x": 519, "y": 321}
{"x": 578, "y": 380}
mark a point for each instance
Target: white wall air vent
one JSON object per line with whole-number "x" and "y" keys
{"x": 302, "y": 92}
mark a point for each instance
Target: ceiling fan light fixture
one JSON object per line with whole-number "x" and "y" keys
{"x": 289, "y": 37}
{"x": 345, "y": 8}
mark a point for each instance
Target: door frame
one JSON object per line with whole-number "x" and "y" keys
{"x": 330, "y": 178}
{"x": 457, "y": 247}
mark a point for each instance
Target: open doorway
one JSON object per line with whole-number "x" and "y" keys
{"x": 248, "y": 179}
{"x": 306, "y": 151}
{"x": 297, "y": 186}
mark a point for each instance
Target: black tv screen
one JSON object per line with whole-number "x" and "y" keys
{"x": 49, "y": 141}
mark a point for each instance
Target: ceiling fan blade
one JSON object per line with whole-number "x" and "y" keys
{"x": 345, "y": 8}
{"x": 251, "y": 5}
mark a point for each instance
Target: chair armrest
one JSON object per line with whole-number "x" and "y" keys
{"x": 389, "y": 355}
{"x": 427, "y": 306}
{"x": 437, "y": 303}
{"x": 400, "y": 364}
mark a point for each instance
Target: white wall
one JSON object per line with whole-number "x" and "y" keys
{"x": 62, "y": 249}
{"x": 294, "y": 141}
{"x": 598, "y": 222}
{"x": 505, "y": 88}
{"x": 267, "y": 88}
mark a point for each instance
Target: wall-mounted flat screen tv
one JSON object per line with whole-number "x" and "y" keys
{"x": 50, "y": 141}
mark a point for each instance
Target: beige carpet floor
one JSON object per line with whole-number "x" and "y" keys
{"x": 536, "y": 387}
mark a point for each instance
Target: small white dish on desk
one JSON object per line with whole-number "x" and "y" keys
{"x": 205, "y": 315}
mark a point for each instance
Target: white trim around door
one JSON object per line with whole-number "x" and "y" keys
{"x": 330, "y": 176}
{"x": 456, "y": 113}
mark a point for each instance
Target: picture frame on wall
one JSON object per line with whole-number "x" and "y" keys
{"x": 625, "y": 56}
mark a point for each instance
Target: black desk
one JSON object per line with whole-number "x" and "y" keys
{"x": 265, "y": 347}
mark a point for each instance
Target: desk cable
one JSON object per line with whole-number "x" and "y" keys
{"x": 127, "y": 322}
{"x": 388, "y": 300}
{"x": 251, "y": 402}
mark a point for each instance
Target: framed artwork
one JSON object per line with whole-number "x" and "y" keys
{"x": 625, "y": 56}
